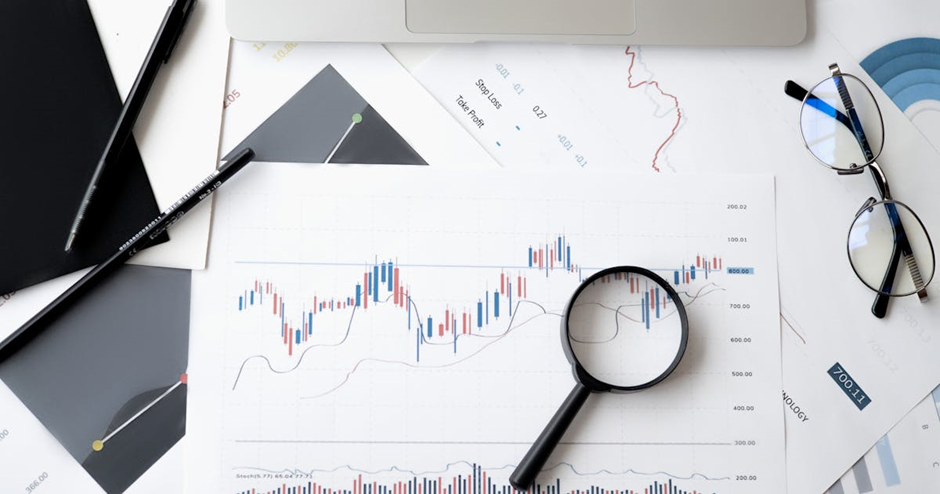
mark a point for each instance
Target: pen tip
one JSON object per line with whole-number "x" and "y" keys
{"x": 70, "y": 241}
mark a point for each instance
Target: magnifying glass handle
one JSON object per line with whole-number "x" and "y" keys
{"x": 530, "y": 466}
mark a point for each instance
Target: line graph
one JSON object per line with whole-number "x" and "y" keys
{"x": 512, "y": 325}
{"x": 653, "y": 83}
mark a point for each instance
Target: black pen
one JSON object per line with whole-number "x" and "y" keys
{"x": 32, "y": 328}
{"x": 167, "y": 37}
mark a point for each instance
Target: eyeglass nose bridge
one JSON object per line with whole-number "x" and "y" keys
{"x": 868, "y": 205}
{"x": 854, "y": 169}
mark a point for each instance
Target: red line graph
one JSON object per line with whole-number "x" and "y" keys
{"x": 654, "y": 83}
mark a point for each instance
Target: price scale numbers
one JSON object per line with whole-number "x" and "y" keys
{"x": 278, "y": 53}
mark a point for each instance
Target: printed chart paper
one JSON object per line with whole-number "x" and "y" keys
{"x": 379, "y": 330}
{"x": 528, "y": 105}
{"x": 734, "y": 117}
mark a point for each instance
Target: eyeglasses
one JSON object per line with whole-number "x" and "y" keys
{"x": 842, "y": 128}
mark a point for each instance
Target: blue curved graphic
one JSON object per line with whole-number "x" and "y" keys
{"x": 907, "y": 70}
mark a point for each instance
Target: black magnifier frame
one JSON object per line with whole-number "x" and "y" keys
{"x": 585, "y": 384}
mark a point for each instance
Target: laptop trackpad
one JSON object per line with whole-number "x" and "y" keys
{"x": 587, "y": 17}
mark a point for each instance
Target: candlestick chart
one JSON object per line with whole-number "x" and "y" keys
{"x": 389, "y": 325}
{"x": 382, "y": 283}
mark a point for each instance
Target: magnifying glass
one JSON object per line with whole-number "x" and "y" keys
{"x": 624, "y": 329}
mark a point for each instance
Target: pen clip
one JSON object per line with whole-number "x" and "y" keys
{"x": 188, "y": 7}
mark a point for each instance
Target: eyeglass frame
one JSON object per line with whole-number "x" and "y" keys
{"x": 880, "y": 306}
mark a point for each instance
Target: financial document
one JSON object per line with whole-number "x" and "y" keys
{"x": 377, "y": 330}
{"x": 536, "y": 106}
{"x": 729, "y": 114}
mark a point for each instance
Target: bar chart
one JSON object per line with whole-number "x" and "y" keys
{"x": 476, "y": 481}
{"x": 904, "y": 460}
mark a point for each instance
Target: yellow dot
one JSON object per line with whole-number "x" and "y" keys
{"x": 97, "y": 445}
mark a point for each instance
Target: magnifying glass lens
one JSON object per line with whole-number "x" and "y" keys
{"x": 624, "y": 330}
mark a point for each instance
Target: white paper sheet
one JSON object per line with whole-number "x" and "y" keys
{"x": 31, "y": 460}
{"x": 372, "y": 405}
{"x": 735, "y": 117}
{"x": 18, "y": 307}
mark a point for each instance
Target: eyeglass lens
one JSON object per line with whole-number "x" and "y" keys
{"x": 873, "y": 238}
{"x": 837, "y": 137}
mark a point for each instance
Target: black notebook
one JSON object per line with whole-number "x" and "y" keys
{"x": 59, "y": 105}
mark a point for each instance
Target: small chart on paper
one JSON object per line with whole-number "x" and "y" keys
{"x": 399, "y": 332}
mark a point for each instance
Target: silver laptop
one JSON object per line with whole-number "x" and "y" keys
{"x": 672, "y": 22}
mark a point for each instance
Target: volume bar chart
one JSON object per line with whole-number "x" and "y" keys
{"x": 476, "y": 482}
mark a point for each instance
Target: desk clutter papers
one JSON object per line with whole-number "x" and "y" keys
{"x": 708, "y": 110}
{"x": 183, "y": 109}
{"x": 400, "y": 327}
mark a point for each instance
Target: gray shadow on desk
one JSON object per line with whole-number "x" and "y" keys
{"x": 102, "y": 362}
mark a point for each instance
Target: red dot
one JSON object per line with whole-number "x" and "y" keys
{"x": 184, "y": 378}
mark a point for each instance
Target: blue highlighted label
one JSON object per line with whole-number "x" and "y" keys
{"x": 740, "y": 270}
{"x": 848, "y": 385}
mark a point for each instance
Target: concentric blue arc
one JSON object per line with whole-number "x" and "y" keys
{"x": 907, "y": 70}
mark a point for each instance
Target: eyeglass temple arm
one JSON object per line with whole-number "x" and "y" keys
{"x": 880, "y": 306}
{"x": 903, "y": 248}
{"x": 854, "y": 121}
{"x": 902, "y": 244}
{"x": 797, "y": 92}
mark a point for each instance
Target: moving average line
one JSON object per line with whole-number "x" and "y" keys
{"x": 704, "y": 290}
